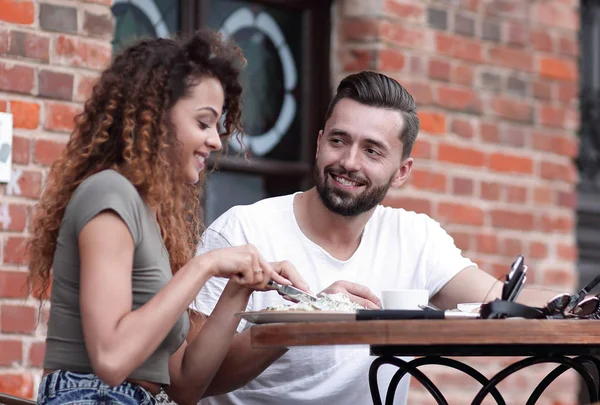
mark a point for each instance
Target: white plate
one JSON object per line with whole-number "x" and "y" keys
{"x": 259, "y": 317}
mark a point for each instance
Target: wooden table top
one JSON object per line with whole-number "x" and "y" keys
{"x": 429, "y": 332}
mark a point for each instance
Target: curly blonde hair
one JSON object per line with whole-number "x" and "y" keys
{"x": 125, "y": 127}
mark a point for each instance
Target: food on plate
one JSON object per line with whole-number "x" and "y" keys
{"x": 326, "y": 302}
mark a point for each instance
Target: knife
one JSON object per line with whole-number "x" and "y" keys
{"x": 292, "y": 292}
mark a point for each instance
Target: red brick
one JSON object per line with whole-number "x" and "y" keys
{"x": 439, "y": 69}
{"x": 458, "y": 47}
{"x": 55, "y": 85}
{"x": 15, "y": 250}
{"x": 85, "y": 86}
{"x": 462, "y": 240}
{"x": 512, "y": 109}
{"x": 568, "y": 46}
{"x": 513, "y": 135}
{"x": 13, "y": 284}
{"x": 407, "y": 12}
{"x": 11, "y": 353}
{"x": 3, "y": 106}
{"x": 556, "y": 15}
{"x": 419, "y": 91}
{"x": 47, "y": 151}
{"x": 462, "y": 186}
{"x": 561, "y": 224}
{"x": 518, "y": 33}
{"x": 471, "y": 5}
{"x": 25, "y": 115}
{"x": 36, "y": 354}
{"x": 408, "y": 203}
{"x": 567, "y": 92}
{"x": 489, "y": 132}
{"x": 542, "y": 41}
{"x": 428, "y": 180}
{"x": 462, "y": 128}
{"x": 538, "y": 250}
{"x": 558, "y": 171}
{"x": 4, "y": 40}
{"x": 390, "y": 60}
{"x": 17, "y": 11}
{"x": 20, "y": 151}
{"x": 432, "y": 122}
{"x": 459, "y": 99}
{"x": 551, "y": 116}
{"x": 461, "y": 155}
{"x": 17, "y": 319}
{"x": 60, "y": 117}
{"x": 29, "y": 184}
{"x": 462, "y": 74}
{"x": 566, "y": 251}
{"x": 516, "y": 194}
{"x": 506, "y": 7}
{"x": 511, "y": 58}
{"x": 511, "y": 247}
{"x": 18, "y": 218}
{"x": 403, "y": 35}
{"x": 542, "y": 90}
{"x": 460, "y": 214}
{"x": 502, "y": 162}
{"x": 19, "y": 385}
{"x": 567, "y": 199}
{"x": 560, "y": 144}
{"x": 508, "y": 219}
{"x": 30, "y": 45}
{"x": 542, "y": 195}
{"x": 361, "y": 29}
{"x": 422, "y": 149}
{"x": 490, "y": 191}
{"x": 72, "y": 51}
{"x": 16, "y": 78}
{"x": 358, "y": 59}
{"x": 566, "y": 280}
{"x": 561, "y": 69}
{"x": 487, "y": 244}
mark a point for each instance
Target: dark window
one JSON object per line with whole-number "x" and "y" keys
{"x": 286, "y": 90}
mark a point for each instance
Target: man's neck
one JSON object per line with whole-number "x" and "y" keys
{"x": 337, "y": 234}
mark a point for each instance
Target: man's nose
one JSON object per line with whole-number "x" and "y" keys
{"x": 351, "y": 159}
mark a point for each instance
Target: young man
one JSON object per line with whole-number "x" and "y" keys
{"x": 340, "y": 239}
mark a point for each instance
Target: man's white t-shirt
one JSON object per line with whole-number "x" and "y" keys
{"x": 399, "y": 250}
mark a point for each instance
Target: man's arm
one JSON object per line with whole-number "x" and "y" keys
{"x": 242, "y": 362}
{"x": 475, "y": 285}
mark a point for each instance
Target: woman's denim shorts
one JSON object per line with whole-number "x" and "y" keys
{"x": 66, "y": 387}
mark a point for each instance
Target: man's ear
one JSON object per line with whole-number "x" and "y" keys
{"x": 403, "y": 172}
{"x": 319, "y": 138}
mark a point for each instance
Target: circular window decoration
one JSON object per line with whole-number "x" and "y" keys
{"x": 273, "y": 105}
{"x": 135, "y": 19}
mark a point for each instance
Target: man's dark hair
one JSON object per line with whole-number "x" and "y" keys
{"x": 378, "y": 90}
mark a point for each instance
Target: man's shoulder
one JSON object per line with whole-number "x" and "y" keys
{"x": 263, "y": 211}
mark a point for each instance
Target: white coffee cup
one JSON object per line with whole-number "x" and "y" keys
{"x": 404, "y": 299}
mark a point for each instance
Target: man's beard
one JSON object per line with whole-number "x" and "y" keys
{"x": 344, "y": 203}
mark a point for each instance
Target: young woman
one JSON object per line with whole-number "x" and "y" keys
{"x": 119, "y": 223}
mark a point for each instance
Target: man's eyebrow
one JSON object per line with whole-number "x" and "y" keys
{"x": 370, "y": 141}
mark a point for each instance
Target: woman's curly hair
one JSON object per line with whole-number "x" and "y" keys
{"x": 125, "y": 126}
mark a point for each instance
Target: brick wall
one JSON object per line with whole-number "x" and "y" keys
{"x": 50, "y": 53}
{"x": 496, "y": 86}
